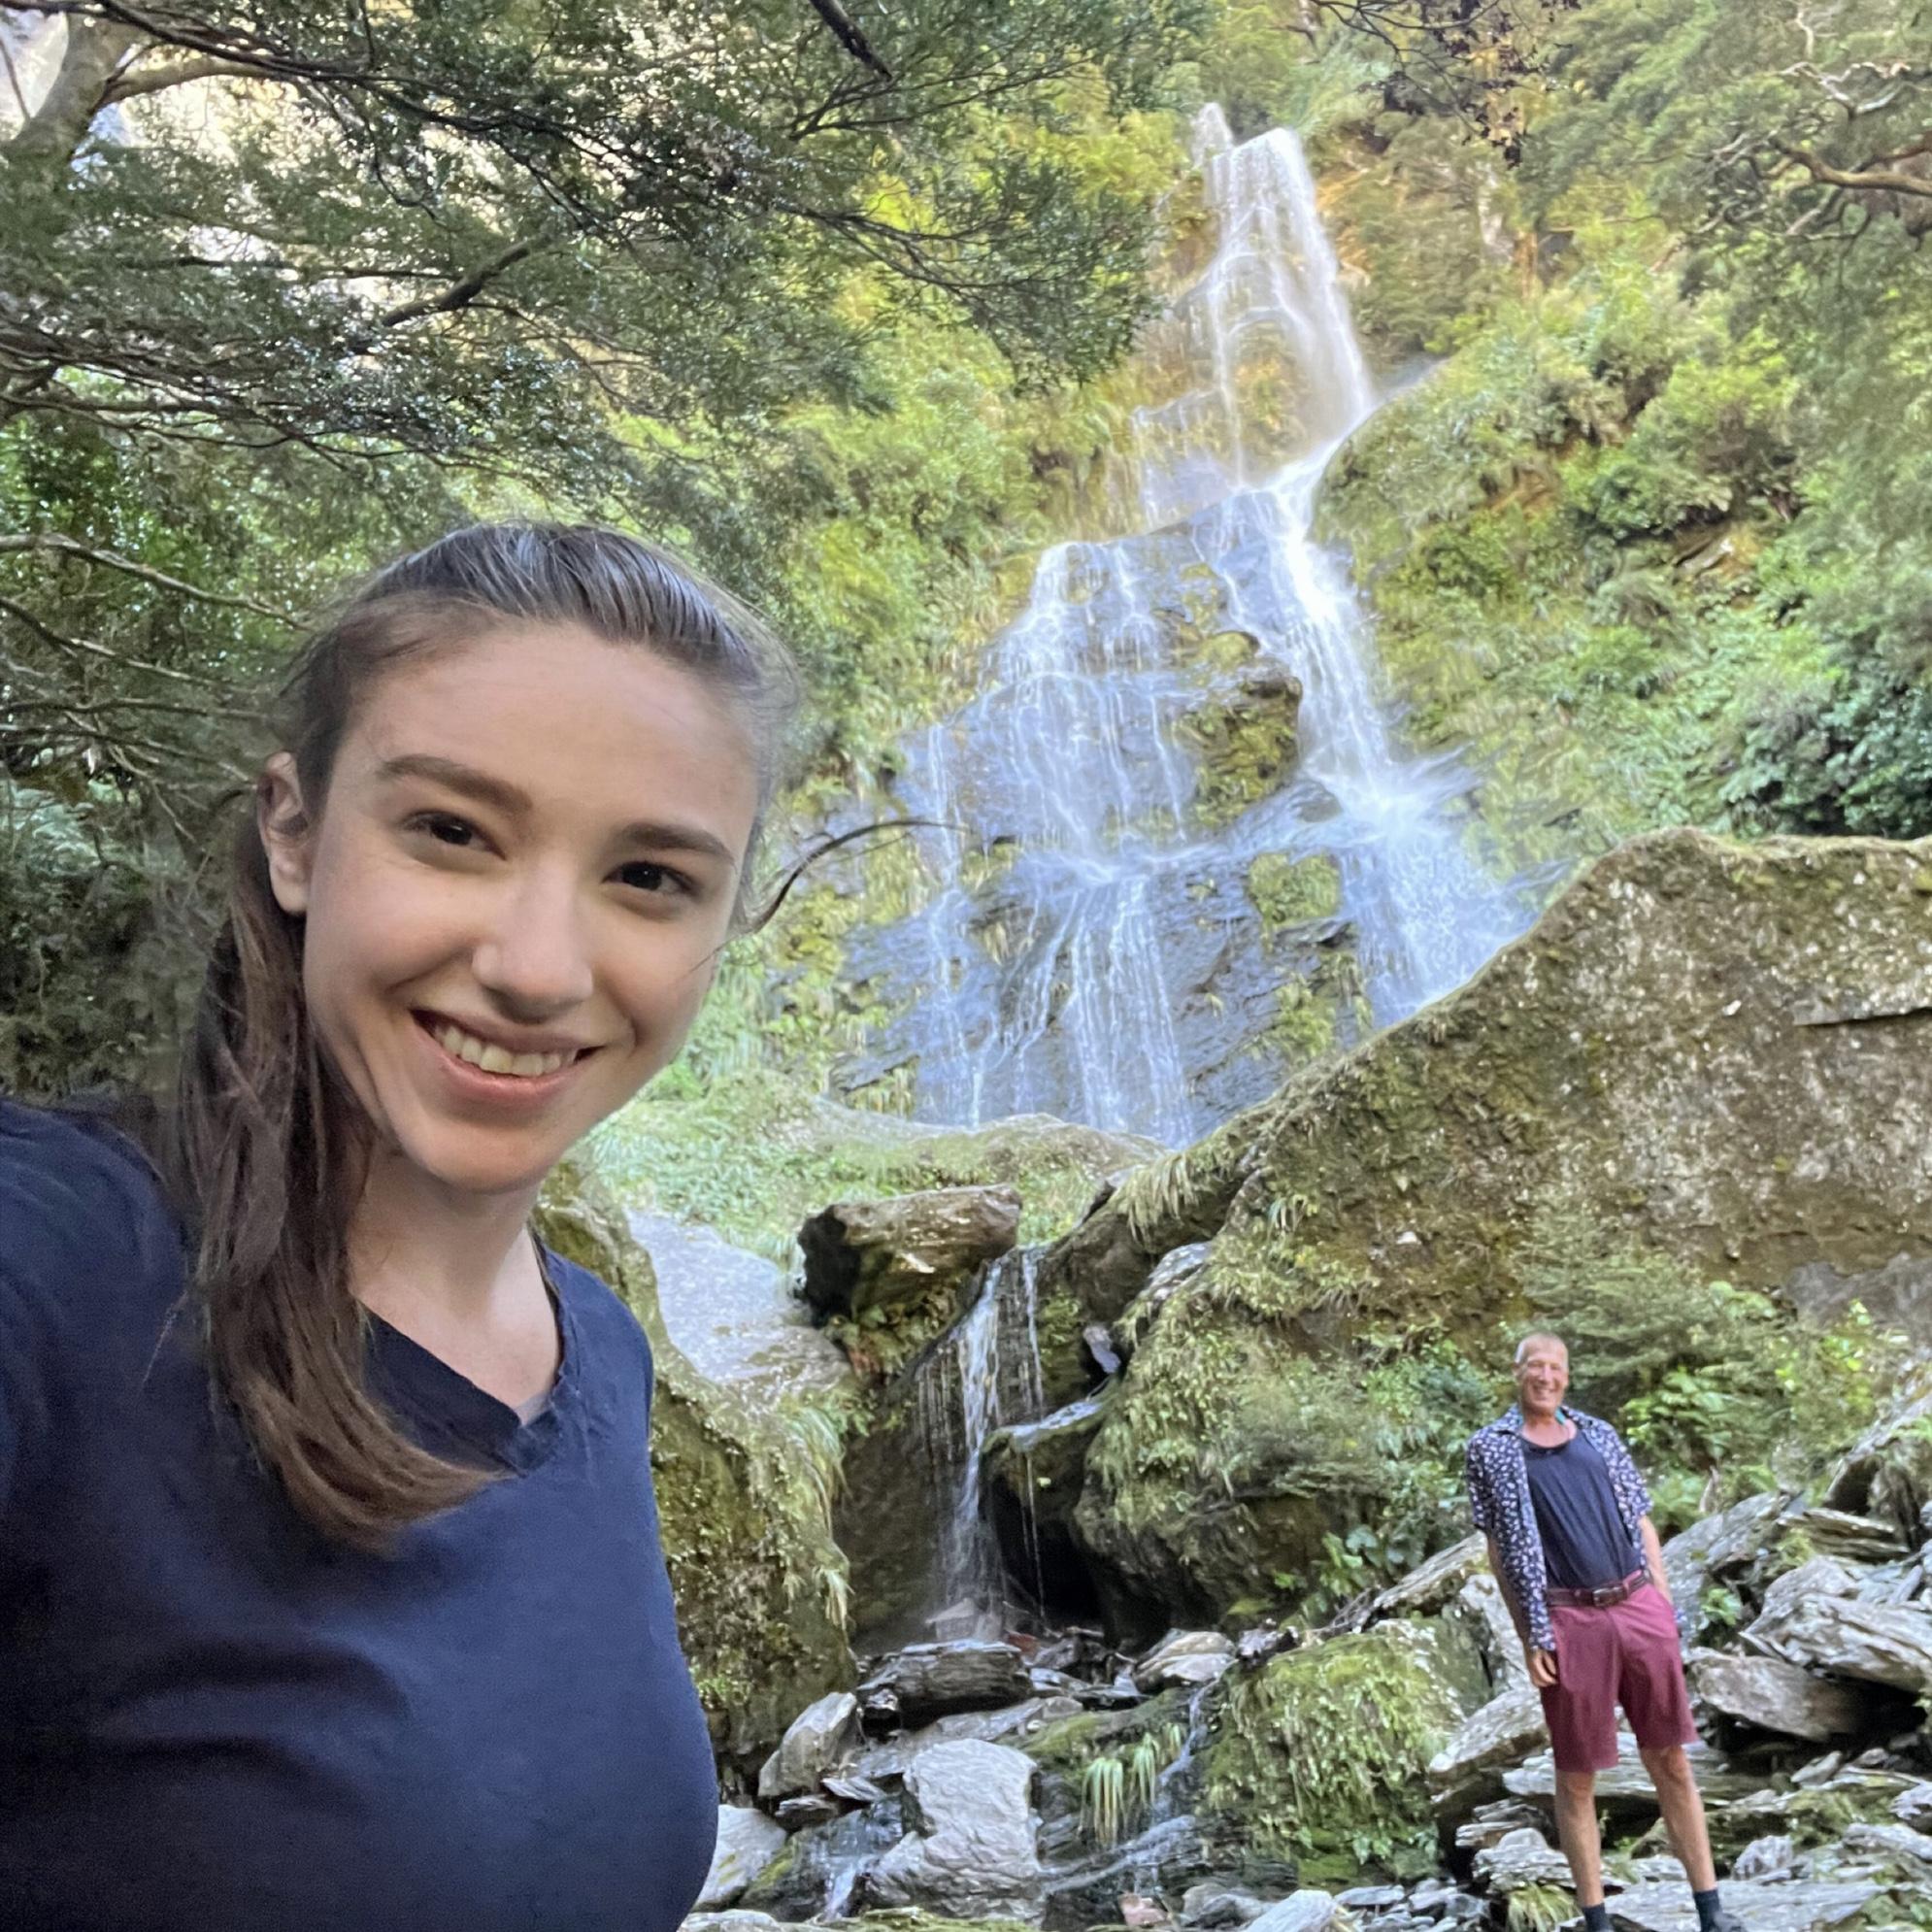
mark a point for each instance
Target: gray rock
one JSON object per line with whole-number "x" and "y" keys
{"x": 1480, "y": 1609}
{"x": 730, "y": 1922}
{"x": 1430, "y": 1585}
{"x": 1658, "y": 1869}
{"x": 823, "y": 1863}
{"x": 1913, "y": 1807}
{"x": 888, "y": 1760}
{"x": 1789, "y": 1907}
{"x": 808, "y": 1811}
{"x": 818, "y": 1738}
{"x": 972, "y": 1852}
{"x": 1213, "y": 1907}
{"x": 928, "y": 1681}
{"x": 1840, "y": 1533}
{"x": 1896, "y": 1844}
{"x": 1371, "y": 1898}
{"x": 747, "y": 1841}
{"x": 1520, "y": 1858}
{"x": 1816, "y": 1576}
{"x": 1897, "y": 1296}
{"x": 1764, "y": 1858}
{"x": 1186, "y": 1658}
{"x": 1887, "y": 1644}
{"x": 865, "y": 1254}
{"x": 1889, "y": 1474}
{"x": 1492, "y": 1823}
{"x": 1469, "y": 1769}
{"x": 1306, "y": 1911}
{"x": 1771, "y": 1695}
{"x": 1627, "y": 1788}
{"x": 1717, "y": 1550}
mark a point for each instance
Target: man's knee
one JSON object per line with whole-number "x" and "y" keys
{"x": 1577, "y": 1786}
{"x": 1669, "y": 1765}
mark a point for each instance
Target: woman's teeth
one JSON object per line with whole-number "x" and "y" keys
{"x": 496, "y": 1059}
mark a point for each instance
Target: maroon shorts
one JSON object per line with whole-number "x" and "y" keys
{"x": 1624, "y": 1653}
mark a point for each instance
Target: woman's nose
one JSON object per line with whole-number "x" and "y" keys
{"x": 534, "y": 955}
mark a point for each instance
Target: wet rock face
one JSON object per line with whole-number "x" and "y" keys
{"x": 818, "y": 1738}
{"x": 747, "y": 1841}
{"x": 927, "y": 1681}
{"x": 1714, "y": 1054}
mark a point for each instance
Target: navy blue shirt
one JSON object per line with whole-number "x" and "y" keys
{"x": 211, "y": 1718}
{"x": 1584, "y": 1543}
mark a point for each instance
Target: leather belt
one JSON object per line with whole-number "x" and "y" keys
{"x": 1600, "y": 1599}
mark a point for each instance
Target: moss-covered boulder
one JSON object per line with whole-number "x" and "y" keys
{"x": 1320, "y": 1756}
{"x": 758, "y": 1582}
{"x": 1244, "y": 735}
{"x": 1706, "y": 1061}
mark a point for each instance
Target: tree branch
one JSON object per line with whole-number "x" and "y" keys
{"x": 130, "y": 82}
{"x": 55, "y": 540}
{"x": 459, "y": 294}
{"x": 1866, "y": 180}
{"x": 849, "y": 37}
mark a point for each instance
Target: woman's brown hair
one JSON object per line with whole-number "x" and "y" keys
{"x": 263, "y": 1143}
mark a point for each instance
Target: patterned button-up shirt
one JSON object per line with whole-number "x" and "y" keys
{"x": 1499, "y": 1499}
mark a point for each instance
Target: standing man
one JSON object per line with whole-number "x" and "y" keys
{"x": 1571, "y": 1541}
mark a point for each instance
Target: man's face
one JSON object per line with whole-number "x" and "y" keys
{"x": 1542, "y": 1375}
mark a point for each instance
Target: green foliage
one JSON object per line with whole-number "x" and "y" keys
{"x": 1717, "y": 1391}
{"x": 1320, "y": 1754}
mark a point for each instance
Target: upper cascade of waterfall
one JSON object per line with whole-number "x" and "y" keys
{"x": 1095, "y": 946}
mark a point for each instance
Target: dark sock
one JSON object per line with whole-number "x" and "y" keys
{"x": 1596, "y": 1917}
{"x": 1709, "y": 1905}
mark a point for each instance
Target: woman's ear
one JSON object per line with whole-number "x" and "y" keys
{"x": 285, "y": 833}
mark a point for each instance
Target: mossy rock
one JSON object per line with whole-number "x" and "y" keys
{"x": 757, "y": 1580}
{"x": 1320, "y": 1757}
{"x": 1244, "y": 738}
{"x": 1288, "y": 890}
{"x": 1706, "y": 1061}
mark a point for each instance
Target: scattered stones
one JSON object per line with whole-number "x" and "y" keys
{"x": 802, "y": 1813}
{"x": 1816, "y": 1576}
{"x": 1184, "y": 1658}
{"x": 1764, "y": 1858}
{"x": 927, "y": 1681}
{"x": 747, "y": 1841}
{"x": 1913, "y": 1807}
{"x": 889, "y": 1760}
{"x": 1214, "y": 1908}
{"x": 1851, "y": 1538}
{"x": 1493, "y": 1822}
{"x": 972, "y": 1852}
{"x": 1768, "y": 1695}
{"x": 1897, "y": 1844}
{"x": 1791, "y": 1906}
{"x": 818, "y": 1738}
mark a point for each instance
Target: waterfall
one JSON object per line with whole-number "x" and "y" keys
{"x": 961, "y": 1402}
{"x": 1059, "y": 964}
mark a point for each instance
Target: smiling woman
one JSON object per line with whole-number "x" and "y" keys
{"x": 341, "y": 1602}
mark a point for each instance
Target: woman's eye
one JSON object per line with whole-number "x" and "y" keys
{"x": 444, "y": 828}
{"x": 645, "y": 876}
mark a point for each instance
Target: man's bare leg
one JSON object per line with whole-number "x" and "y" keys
{"x": 1577, "y": 1831}
{"x": 1683, "y": 1805}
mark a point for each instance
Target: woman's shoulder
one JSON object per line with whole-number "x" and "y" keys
{"x": 80, "y": 1203}
{"x": 606, "y": 1321}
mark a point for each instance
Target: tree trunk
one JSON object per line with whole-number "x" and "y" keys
{"x": 56, "y": 127}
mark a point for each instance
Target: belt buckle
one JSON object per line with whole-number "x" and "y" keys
{"x": 1602, "y": 1598}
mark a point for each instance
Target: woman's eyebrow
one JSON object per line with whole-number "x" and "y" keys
{"x": 652, "y": 834}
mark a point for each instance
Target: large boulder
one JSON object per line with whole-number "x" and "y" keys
{"x": 971, "y": 1852}
{"x": 1889, "y": 1474}
{"x": 1764, "y": 1905}
{"x": 741, "y": 1505}
{"x": 866, "y": 1261}
{"x": 1320, "y": 1756}
{"x": 927, "y": 1681}
{"x": 1712, "y": 1057}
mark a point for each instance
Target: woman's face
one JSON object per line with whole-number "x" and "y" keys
{"x": 514, "y": 895}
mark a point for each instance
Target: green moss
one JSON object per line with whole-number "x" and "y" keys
{"x": 1286, "y": 890}
{"x": 1320, "y": 1756}
{"x": 1244, "y": 747}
